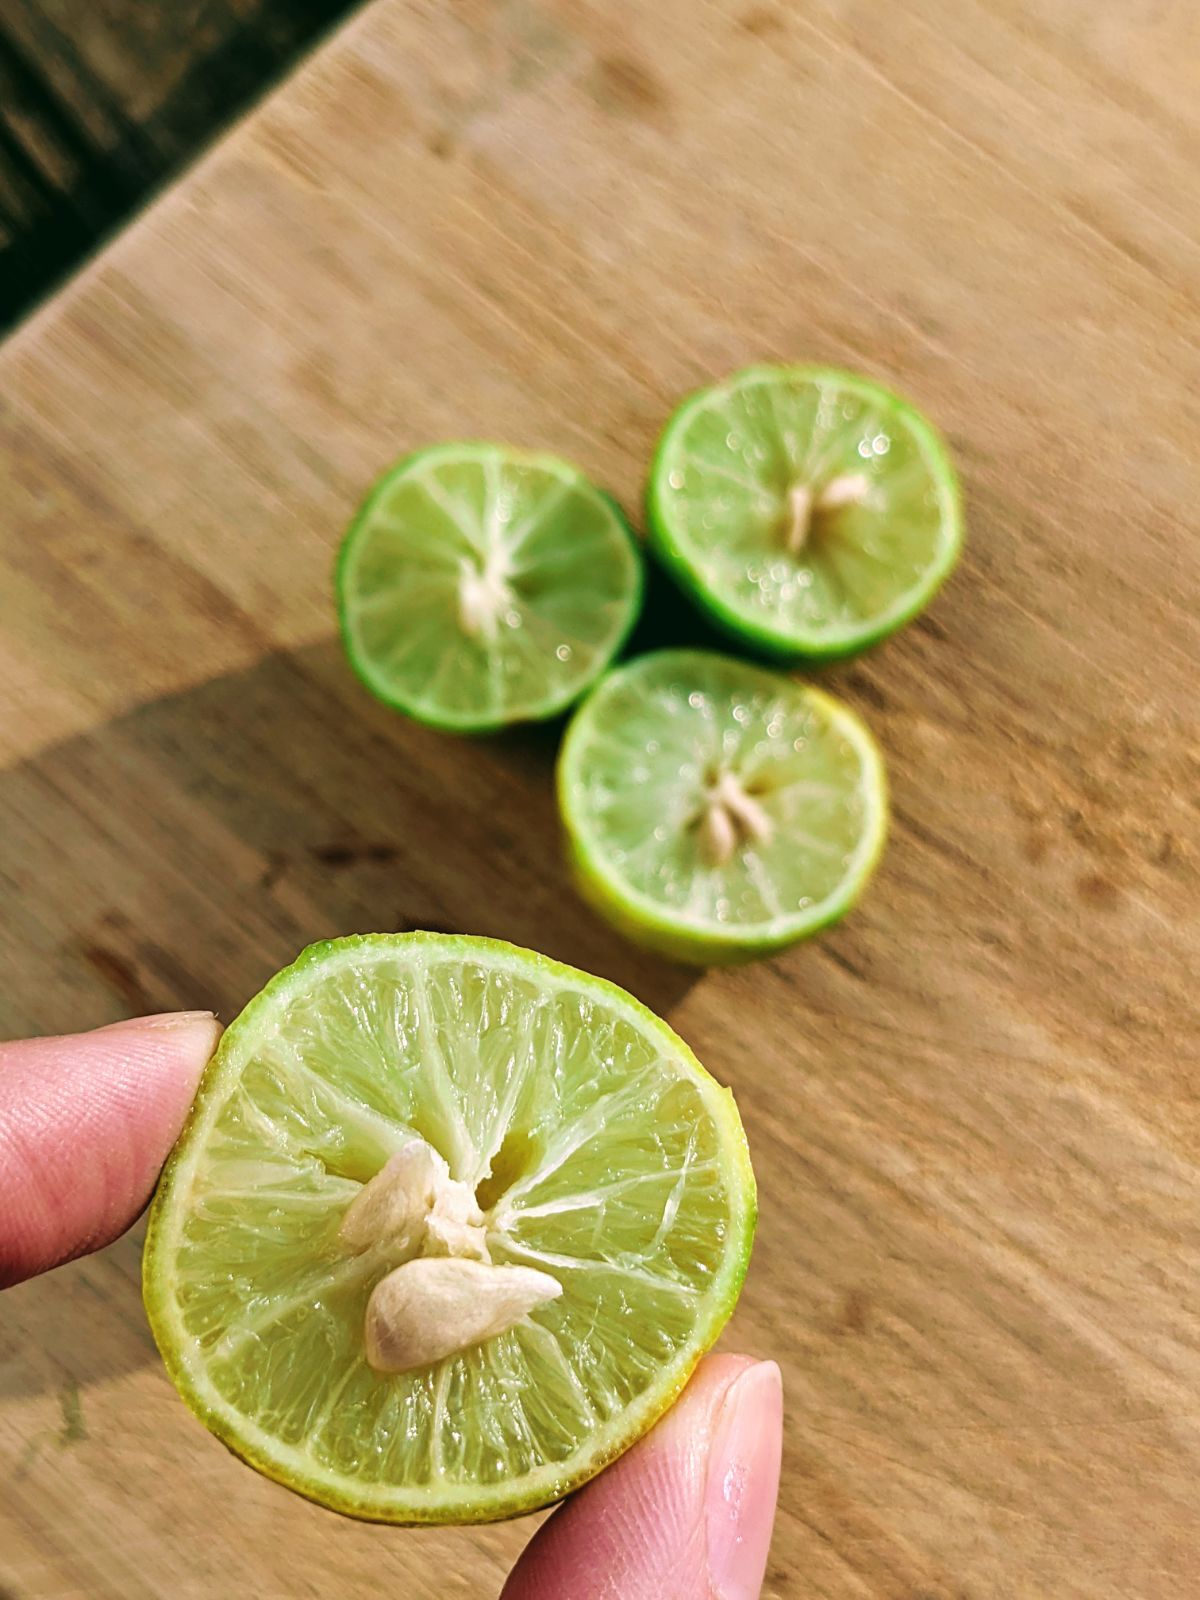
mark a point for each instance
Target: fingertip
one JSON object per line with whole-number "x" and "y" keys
{"x": 86, "y": 1121}
{"x": 742, "y": 1482}
{"x": 688, "y": 1510}
{"x": 167, "y": 1021}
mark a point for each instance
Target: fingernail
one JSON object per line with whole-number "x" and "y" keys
{"x": 742, "y": 1482}
{"x": 161, "y": 1019}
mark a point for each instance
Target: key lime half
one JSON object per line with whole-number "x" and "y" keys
{"x": 717, "y": 811}
{"x": 448, "y": 1227}
{"x": 481, "y": 585}
{"x": 810, "y": 512}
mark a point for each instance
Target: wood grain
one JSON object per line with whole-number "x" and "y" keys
{"x": 101, "y": 103}
{"x": 973, "y": 1108}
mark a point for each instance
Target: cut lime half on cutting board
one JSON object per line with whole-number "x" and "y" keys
{"x": 718, "y": 811}
{"x": 560, "y": 1135}
{"x": 481, "y": 585}
{"x": 810, "y": 512}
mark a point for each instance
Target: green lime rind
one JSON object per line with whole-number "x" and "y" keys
{"x": 795, "y": 643}
{"x": 416, "y": 1505}
{"x": 662, "y": 936}
{"x": 560, "y": 685}
{"x": 663, "y": 929}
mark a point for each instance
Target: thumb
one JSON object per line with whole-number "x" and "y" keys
{"x": 686, "y": 1514}
{"x": 86, "y": 1121}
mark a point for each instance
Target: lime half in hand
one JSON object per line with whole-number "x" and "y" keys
{"x": 481, "y": 585}
{"x": 808, "y": 511}
{"x": 716, "y": 811}
{"x": 448, "y": 1228}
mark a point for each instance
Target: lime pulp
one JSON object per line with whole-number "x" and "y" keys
{"x": 716, "y": 810}
{"x": 810, "y": 512}
{"x": 481, "y": 585}
{"x": 598, "y": 1149}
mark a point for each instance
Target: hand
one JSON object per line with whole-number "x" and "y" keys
{"x": 86, "y": 1122}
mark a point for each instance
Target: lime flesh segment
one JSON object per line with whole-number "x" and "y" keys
{"x": 672, "y": 737}
{"x": 481, "y": 585}
{"x": 810, "y": 512}
{"x": 600, "y": 1150}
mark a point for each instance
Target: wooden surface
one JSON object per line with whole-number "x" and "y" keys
{"x": 973, "y": 1108}
{"x": 100, "y": 100}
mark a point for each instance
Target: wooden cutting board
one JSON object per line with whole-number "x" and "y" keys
{"x": 974, "y": 1108}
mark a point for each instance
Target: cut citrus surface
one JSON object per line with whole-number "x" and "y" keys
{"x": 481, "y": 585}
{"x": 448, "y": 1227}
{"x": 809, "y": 511}
{"x": 717, "y": 811}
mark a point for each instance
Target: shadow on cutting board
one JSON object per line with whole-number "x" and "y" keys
{"x": 181, "y": 854}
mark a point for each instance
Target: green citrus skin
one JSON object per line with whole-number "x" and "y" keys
{"x": 639, "y": 751}
{"x": 480, "y": 585}
{"x": 662, "y": 937}
{"x": 252, "y": 1132}
{"x": 857, "y": 574}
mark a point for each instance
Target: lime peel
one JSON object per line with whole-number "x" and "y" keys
{"x": 481, "y": 585}
{"x": 718, "y": 811}
{"x": 809, "y": 512}
{"x": 599, "y": 1152}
